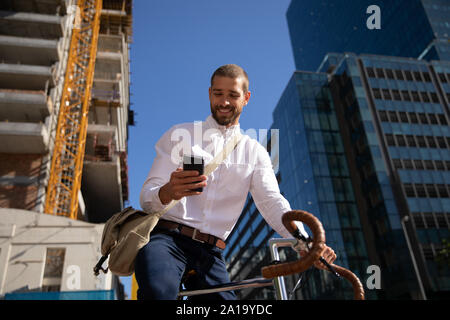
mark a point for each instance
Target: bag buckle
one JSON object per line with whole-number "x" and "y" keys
{"x": 99, "y": 267}
{"x": 194, "y": 236}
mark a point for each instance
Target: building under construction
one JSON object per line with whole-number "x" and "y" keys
{"x": 39, "y": 72}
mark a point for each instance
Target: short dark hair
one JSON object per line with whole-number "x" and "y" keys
{"x": 232, "y": 71}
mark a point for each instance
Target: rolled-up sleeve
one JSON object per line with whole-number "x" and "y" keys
{"x": 159, "y": 175}
{"x": 266, "y": 194}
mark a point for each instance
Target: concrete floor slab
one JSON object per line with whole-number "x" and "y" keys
{"x": 36, "y": 6}
{"x": 20, "y": 137}
{"x": 23, "y": 106}
{"x": 28, "y": 51}
{"x": 25, "y": 77}
{"x": 31, "y": 25}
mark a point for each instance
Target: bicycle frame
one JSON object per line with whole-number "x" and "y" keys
{"x": 273, "y": 274}
{"x": 278, "y": 282}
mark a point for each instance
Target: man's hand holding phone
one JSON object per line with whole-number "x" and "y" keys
{"x": 182, "y": 183}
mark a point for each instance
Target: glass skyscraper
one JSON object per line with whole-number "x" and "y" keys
{"x": 409, "y": 28}
{"x": 364, "y": 144}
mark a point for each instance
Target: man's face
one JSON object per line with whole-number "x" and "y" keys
{"x": 227, "y": 99}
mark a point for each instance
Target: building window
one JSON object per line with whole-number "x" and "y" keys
{"x": 393, "y": 116}
{"x": 421, "y": 142}
{"x": 390, "y": 140}
{"x": 53, "y": 270}
{"x": 429, "y": 165}
{"x": 408, "y": 75}
{"x": 434, "y": 97}
{"x": 442, "y": 120}
{"x": 431, "y": 142}
{"x": 383, "y": 115}
{"x": 417, "y": 76}
{"x": 424, "y": 96}
{"x": 400, "y": 140}
{"x": 442, "y": 223}
{"x": 441, "y": 142}
{"x": 405, "y": 95}
{"x": 410, "y": 140}
{"x": 409, "y": 190}
{"x": 413, "y": 118}
{"x": 426, "y": 76}
{"x": 443, "y": 192}
{"x": 380, "y": 73}
{"x": 418, "y": 221}
{"x": 399, "y": 75}
{"x": 397, "y": 164}
{"x": 421, "y": 191}
{"x": 439, "y": 165}
{"x": 429, "y": 220}
{"x": 370, "y": 72}
{"x": 432, "y": 193}
{"x": 403, "y": 117}
{"x": 433, "y": 118}
{"x": 428, "y": 253}
{"x": 408, "y": 164}
{"x": 423, "y": 118}
{"x": 376, "y": 93}
{"x": 418, "y": 164}
{"x": 421, "y": 164}
{"x": 389, "y": 74}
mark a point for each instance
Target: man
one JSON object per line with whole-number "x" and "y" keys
{"x": 191, "y": 235}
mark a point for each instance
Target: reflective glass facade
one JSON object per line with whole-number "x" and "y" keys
{"x": 408, "y": 102}
{"x": 407, "y": 28}
{"x": 364, "y": 144}
{"x": 315, "y": 176}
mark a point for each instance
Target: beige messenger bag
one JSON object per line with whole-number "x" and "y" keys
{"x": 126, "y": 232}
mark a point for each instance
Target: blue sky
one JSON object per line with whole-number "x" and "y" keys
{"x": 177, "y": 45}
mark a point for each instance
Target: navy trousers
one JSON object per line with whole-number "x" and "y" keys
{"x": 161, "y": 264}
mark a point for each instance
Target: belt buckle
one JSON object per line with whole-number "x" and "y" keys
{"x": 194, "y": 235}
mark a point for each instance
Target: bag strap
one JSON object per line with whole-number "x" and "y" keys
{"x": 218, "y": 159}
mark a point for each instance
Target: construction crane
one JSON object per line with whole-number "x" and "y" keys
{"x": 70, "y": 139}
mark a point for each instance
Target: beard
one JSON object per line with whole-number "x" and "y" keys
{"x": 225, "y": 120}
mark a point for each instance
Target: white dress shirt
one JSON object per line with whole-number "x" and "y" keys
{"x": 217, "y": 209}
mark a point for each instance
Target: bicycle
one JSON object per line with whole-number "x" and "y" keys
{"x": 272, "y": 275}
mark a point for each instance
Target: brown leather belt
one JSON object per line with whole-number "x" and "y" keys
{"x": 192, "y": 233}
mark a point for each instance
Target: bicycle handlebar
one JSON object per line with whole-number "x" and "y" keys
{"x": 314, "y": 254}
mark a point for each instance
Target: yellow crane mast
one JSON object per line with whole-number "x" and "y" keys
{"x": 70, "y": 139}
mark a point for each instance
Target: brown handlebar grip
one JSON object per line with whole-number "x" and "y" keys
{"x": 313, "y": 254}
{"x": 358, "y": 289}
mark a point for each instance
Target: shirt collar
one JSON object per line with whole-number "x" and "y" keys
{"x": 212, "y": 123}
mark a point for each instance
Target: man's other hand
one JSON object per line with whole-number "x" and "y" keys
{"x": 328, "y": 254}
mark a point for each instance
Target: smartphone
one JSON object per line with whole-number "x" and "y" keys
{"x": 194, "y": 163}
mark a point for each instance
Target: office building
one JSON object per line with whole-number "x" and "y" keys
{"x": 364, "y": 145}
{"x": 364, "y": 140}
{"x": 408, "y": 28}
